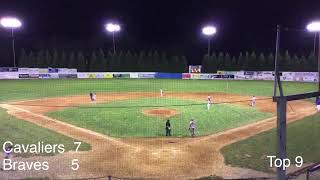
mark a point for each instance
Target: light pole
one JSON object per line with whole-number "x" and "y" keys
{"x": 315, "y": 28}
{"x": 11, "y": 23}
{"x": 209, "y": 31}
{"x": 113, "y": 28}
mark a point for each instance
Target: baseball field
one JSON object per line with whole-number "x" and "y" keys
{"x": 123, "y": 131}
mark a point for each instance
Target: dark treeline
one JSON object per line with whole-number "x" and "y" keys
{"x": 100, "y": 61}
{"x": 252, "y": 61}
{"x": 153, "y": 61}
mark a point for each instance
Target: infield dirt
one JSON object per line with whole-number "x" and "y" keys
{"x": 148, "y": 158}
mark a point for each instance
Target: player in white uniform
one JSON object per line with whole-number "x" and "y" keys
{"x": 192, "y": 127}
{"x": 253, "y": 101}
{"x": 161, "y": 93}
{"x": 94, "y": 97}
{"x": 209, "y": 102}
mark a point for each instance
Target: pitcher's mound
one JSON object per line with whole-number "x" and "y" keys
{"x": 160, "y": 112}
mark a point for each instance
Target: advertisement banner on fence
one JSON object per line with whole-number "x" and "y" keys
{"x": 120, "y": 75}
{"x": 67, "y": 71}
{"x": 8, "y": 69}
{"x": 287, "y": 76}
{"x": 7, "y": 75}
{"x": 68, "y": 76}
{"x": 108, "y": 76}
{"x": 134, "y": 75}
{"x": 28, "y": 70}
{"x": 169, "y": 75}
{"x": 146, "y": 75}
{"x": 82, "y": 75}
{"x": 91, "y": 75}
{"x": 195, "y": 76}
{"x": 54, "y": 75}
{"x": 43, "y": 71}
{"x": 44, "y": 76}
{"x": 53, "y": 70}
{"x": 29, "y": 76}
{"x": 310, "y": 76}
{"x": 99, "y": 75}
{"x": 186, "y": 76}
{"x": 216, "y": 76}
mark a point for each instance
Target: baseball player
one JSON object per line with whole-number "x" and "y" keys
{"x": 161, "y": 93}
{"x": 91, "y": 96}
{"x": 168, "y": 128}
{"x": 209, "y": 102}
{"x": 94, "y": 97}
{"x": 192, "y": 127}
{"x": 253, "y": 101}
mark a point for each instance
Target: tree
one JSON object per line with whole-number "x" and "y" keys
{"x": 312, "y": 62}
{"x": 234, "y": 64}
{"x": 270, "y": 62}
{"x": 93, "y": 64}
{"x": 55, "y": 59}
{"x": 40, "y": 59}
{"x": 262, "y": 62}
{"x": 72, "y": 60}
{"x": 155, "y": 61}
{"x": 240, "y": 61}
{"x": 227, "y": 62}
{"x": 81, "y": 62}
{"x": 245, "y": 62}
{"x": 285, "y": 63}
{"x": 102, "y": 62}
{"x": 47, "y": 59}
{"x": 32, "y": 61}
{"x": 183, "y": 64}
{"x": 205, "y": 64}
{"x": 252, "y": 62}
{"x": 220, "y": 61}
{"x": 141, "y": 62}
{"x": 23, "y": 59}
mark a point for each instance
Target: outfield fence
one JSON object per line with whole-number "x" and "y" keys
{"x": 63, "y": 73}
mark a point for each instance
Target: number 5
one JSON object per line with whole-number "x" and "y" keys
{"x": 75, "y": 164}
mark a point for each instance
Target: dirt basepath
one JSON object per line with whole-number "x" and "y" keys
{"x": 151, "y": 158}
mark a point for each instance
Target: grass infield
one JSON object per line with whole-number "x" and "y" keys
{"x": 125, "y": 119}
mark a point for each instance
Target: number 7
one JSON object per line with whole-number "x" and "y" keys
{"x": 78, "y": 145}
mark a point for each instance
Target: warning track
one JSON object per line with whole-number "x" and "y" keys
{"x": 151, "y": 158}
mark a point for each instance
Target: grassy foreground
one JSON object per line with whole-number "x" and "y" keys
{"x": 22, "y": 132}
{"x": 31, "y": 89}
{"x": 302, "y": 140}
{"x": 125, "y": 119}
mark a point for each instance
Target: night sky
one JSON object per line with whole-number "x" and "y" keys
{"x": 163, "y": 25}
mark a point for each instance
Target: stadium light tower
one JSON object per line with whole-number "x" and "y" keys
{"x": 113, "y": 28}
{"x": 11, "y": 23}
{"x": 315, "y": 28}
{"x": 209, "y": 31}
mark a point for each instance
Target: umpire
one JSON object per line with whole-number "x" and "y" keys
{"x": 168, "y": 128}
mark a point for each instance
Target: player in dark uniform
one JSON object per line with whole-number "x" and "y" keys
{"x": 91, "y": 96}
{"x": 168, "y": 128}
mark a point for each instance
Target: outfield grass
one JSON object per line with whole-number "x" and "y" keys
{"x": 124, "y": 119}
{"x": 22, "y": 132}
{"x": 302, "y": 140}
{"x": 30, "y": 89}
